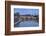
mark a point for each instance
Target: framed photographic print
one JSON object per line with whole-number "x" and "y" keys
{"x": 24, "y": 17}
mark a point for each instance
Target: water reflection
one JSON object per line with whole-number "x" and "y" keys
{"x": 29, "y": 23}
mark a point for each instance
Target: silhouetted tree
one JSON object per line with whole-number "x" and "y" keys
{"x": 17, "y": 15}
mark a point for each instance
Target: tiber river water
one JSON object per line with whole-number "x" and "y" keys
{"x": 30, "y": 23}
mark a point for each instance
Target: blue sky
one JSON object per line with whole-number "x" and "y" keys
{"x": 24, "y": 11}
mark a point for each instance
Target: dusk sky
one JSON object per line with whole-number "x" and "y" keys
{"x": 23, "y": 11}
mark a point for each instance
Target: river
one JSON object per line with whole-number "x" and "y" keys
{"x": 30, "y": 23}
